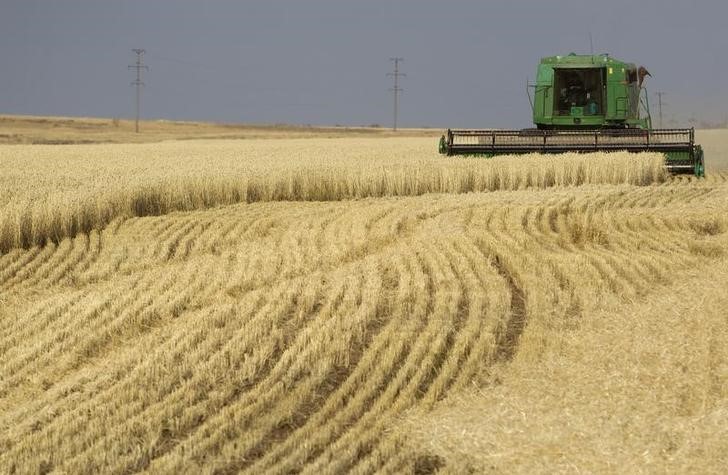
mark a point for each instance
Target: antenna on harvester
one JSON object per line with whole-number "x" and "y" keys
{"x": 139, "y": 65}
{"x": 591, "y": 44}
{"x": 396, "y": 89}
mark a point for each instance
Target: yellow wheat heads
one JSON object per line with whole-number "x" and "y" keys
{"x": 297, "y": 336}
{"x": 49, "y": 193}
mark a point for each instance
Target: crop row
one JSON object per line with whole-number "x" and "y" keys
{"x": 295, "y": 336}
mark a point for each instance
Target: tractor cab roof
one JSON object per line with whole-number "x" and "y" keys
{"x": 574, "y": 60}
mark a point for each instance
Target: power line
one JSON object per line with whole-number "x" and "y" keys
{"x": 396, "y": 89}
{"x": 138, "y": 66}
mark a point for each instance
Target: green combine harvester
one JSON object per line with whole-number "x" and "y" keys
{"x": 585, "y": 103}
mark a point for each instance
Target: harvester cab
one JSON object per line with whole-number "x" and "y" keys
{"x": 585, "y": 103}
{"x": 589, "y": 92}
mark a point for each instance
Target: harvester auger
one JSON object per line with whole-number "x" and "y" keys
{"x": 585, "y": 103}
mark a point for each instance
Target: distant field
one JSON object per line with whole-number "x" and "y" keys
{"x": 359, "y": 304}
{"x": 84, "y": 130}
{"x": 81, "y": 130}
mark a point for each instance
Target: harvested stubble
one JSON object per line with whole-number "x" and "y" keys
{"x": 52, "y": 192}
{"x": 278, "y": 337}
{"x": 640, "y": 387}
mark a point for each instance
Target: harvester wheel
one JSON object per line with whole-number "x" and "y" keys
{"x": 443, "y": 145}
{"x": 699, "y": 162}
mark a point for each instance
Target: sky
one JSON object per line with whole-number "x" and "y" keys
{"x": 325, "y": 62}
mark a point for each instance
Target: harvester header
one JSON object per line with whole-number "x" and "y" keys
{"x": 585, "y": 103}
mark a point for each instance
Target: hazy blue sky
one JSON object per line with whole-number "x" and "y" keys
{"x": 325, "y": 62}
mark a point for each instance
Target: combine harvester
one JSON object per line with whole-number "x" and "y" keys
{"x": 585, "y": 103}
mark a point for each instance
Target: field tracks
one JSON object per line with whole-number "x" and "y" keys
{"x": 296, "y": 336}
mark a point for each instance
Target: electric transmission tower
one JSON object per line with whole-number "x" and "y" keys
{"x": 138, "y": 66}
{"x": 396, "y": 89}
{"x": 659, "y": 105}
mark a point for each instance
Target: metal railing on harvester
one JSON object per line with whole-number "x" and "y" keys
{"x": 678, "y": 145}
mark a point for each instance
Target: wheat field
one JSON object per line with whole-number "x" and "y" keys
{"x": 42, "y": 202}
{"x": 358, "y": 305}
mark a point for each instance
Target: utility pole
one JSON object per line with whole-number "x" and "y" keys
{"x": 139, "y": 65}
{"x": 396, "y": 89}
{"x": 659, "y": 105}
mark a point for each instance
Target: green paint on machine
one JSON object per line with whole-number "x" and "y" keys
{"x": 585, "y": 103}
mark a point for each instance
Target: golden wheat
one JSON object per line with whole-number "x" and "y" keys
{"x": 360, "y": 335}
{"x": 44, "y": 202}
